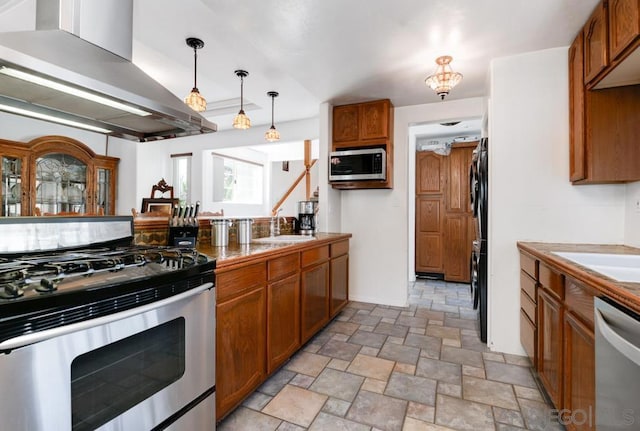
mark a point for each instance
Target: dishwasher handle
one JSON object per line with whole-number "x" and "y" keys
{"x": 624, "y": 346}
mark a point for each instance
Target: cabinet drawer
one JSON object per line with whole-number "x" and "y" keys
{"x": 234, "y": 282}
{"x": 551, "y": 280}
{"x": 528, "y": 306}
{"x": 315, "y": 255}
{"x": 528, "y": 336}
{"x": 529, "y": 265}
{"x": 283, "y": 266}
{"x": 528, "y": 284}
{"x": 579, "y": 298}
{"x": 339, "y": 248}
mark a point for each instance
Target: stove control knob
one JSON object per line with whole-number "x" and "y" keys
{"x": 12, "y": 290}
{"x": 47, "y": 285}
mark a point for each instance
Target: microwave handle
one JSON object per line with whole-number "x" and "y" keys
{"x": 36, "y": 337}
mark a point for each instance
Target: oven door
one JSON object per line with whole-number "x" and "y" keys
{"x": 131, "y": 370}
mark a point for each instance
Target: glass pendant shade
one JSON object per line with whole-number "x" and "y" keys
{"x": 241, "y": 121}
{"x": 195, "y": 100}
{"x": 272, "y": 134}
{"x": 444, "y": 79}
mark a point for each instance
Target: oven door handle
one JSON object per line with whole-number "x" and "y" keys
{"x": 36, "y": 337}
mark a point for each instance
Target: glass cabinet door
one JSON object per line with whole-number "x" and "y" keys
{"x": 13, "y": 178}
{"x": 61, "y": 184}
{"x": 104, "y": 177}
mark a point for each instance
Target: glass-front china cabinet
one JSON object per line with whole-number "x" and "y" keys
{"x": 56, "y": 175}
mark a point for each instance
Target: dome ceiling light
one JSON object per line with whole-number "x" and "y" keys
{"x": 444, "y": 79}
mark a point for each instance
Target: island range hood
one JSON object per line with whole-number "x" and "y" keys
{"x": 71, "y": 64}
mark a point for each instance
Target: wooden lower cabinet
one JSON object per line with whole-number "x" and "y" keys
{"x": 240, "y": 348}
{"x": 339, "y": 284}
{"x": 550, "y": 325}
{"x": 314, "y": 299}
{"x": 579, "y": 376}
{"x": 283, "y": 320}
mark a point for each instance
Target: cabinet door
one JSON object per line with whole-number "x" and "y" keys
{"x": 456, "y": 258}
{"x": 596, "y": 52}
{"x": 314, "y": 299}
{"x": 579, "y": 374}
{"x": 430, "y": 173}
{"x": 345, "y": 123}
{"x": 240, "y": 348}
{"x": 577, "y": 142}
{"x": 15, "y": 182}
{"x": 283, "y": 320}
{"x": 550, "y": 325}
{"x": 457, "y": 184}
{"x": 339, "y": 284}
{"x": 624, "y": 25}
{"x": 374, "y": 123}
{"x": 103, "y": 191}
{"x": 429, "y": 227}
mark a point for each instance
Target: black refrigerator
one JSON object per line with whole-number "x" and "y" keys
{"x": 479, "y": 188}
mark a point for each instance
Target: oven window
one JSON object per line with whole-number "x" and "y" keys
{"x": 110, "y": 380}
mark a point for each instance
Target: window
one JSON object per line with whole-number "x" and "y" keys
{"x": 182, "y": 177}
{"x": 237, "y": 181}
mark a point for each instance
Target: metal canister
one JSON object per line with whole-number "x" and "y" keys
{"x": 244, "y": 230}
{"x": 220, "y": 231}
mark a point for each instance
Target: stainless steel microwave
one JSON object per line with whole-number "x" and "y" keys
{"x": 358, "y": 165}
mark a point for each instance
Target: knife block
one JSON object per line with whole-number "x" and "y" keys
{"x": 183, "y": 236}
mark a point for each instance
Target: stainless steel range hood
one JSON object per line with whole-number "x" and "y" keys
{"x": 87, "y": 45}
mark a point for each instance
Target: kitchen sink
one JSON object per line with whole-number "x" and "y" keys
{"x": 284, "y": 238}
{"x": 620, "y": 267}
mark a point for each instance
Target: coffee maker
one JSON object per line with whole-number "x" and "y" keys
{"x": 306, "y": 218}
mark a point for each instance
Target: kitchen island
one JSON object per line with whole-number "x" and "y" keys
{"x": 271, "y": 298}
{"x": 557, "y": 327}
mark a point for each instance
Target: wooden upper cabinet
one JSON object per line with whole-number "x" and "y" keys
{"x": 362, "y": 122}
{"x": 375, "y": 120}
{"x": 346, "y": 123}
{"x": 576, "y": 110}
{"x": 624, "y": 25}
{"x": 596, "y": 52}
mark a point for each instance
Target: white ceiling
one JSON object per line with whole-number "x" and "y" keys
{"x": 338, "y": 51}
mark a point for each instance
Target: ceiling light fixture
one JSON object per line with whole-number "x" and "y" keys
{"x": 272, "y": 134}
{"x": 34, "y": 79}
{"x": 444, "y": 79}
{"x": 194, "y": 100}
{"x": 54, "y": 119}
{"x": 241, "y": 121}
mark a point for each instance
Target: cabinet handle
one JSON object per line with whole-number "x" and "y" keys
{"x": 621, "y": 344}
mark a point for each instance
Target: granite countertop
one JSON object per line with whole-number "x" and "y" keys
{"x": 625, "y": 293}
{"x": 235, "y": 253}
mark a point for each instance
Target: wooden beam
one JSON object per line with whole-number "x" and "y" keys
{"x": 307, "y": 165}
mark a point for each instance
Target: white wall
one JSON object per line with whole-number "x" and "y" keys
{"x": 382, "y": 221}
{"x": 530, "y": 195}
{"x": 632, "y": 215}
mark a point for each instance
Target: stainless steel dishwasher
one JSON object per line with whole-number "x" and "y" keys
{"x": 617, "y": 333}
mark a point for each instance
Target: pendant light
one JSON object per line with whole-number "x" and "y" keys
{"x": 241, "y": 121}
{"x": 445, "y": 78}
{"x": 195, "y": 100}
{"x": 272, "y": 134}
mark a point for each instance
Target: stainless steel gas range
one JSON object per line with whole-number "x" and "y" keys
{"x": 98, "y": 334}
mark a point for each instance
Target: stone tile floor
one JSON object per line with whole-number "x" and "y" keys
{"x": 421, "y": 367}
